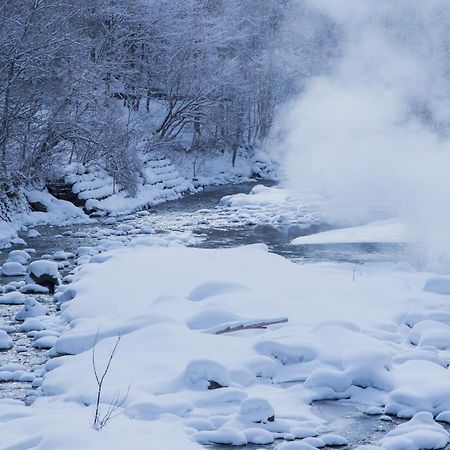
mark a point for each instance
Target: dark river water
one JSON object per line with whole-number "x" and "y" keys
{"x": 214, "y": 227}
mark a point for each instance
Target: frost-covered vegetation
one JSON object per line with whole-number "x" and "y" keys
{"x": 100, "y": 83}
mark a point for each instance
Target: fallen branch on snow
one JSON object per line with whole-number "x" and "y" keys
{"x": 251, "y": 325}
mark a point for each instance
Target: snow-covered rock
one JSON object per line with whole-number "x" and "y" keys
{"x": 13, "y": 269}
{"x": 33, "y": 288}
{"x": 205, "y": 374}
{"x": 33, "y": 233}
{"x": 61, "y": 255}
{"x": 224, "y": 436}
{"x": 31, "y": 308}
{"x": 12, "y": 298}
{"x": 257, "y": 410}
{"x": 420, "y": 433}
{"x": 19, "y": 256}
{"x": 44, "y": 273}
{"x": 45, "y": 342}
{"x": 31, "y": 324}
{"x": 5, "y": 341}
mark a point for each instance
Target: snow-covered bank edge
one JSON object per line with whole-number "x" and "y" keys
{"x": 386, "y": 231}
{"x": 52, "y": 212}
{"x": 161, "y": 182}
{"x": 362, "y": 338}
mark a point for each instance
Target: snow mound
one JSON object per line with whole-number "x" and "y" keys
{"x": 224, "y": 436}
{"x": 257, "y": 410}
{"x": 19, "y": 256}
{"x": 5, "y": 341}
{"x": 205, "y": 374}
{"x": 13, "y": 269}
{"x": 12, "y": 298}
{"x": 33, "y": 233}
{"x": 258, "y": 436}
{"x": 259, "y": 196}
{"x": 421, "y": 432}
{"x": 31, "y": 308}
{"x": 438, "y": 286}
{"x": 411, "y": 395}
{"x": 59, "y": 212}
{"x": 215, "y": 288}
{"x": 387, "y": 231}
{"x": 33, "y": 288}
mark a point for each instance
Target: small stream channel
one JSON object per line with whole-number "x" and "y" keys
{"x": 215, "y": 227}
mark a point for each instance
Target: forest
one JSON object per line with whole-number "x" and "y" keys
{"x": 100, "y": 82}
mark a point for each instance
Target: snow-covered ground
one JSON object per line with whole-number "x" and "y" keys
{"x": 199, "y": 360}
{"x": 230, "y": 346}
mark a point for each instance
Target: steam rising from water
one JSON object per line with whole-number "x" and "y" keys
{"x": 374, "y": 134}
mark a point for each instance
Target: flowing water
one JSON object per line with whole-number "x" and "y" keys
{"x": 214, "y": 226}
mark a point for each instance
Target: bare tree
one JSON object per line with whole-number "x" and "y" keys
{"x": 115, "y": 404}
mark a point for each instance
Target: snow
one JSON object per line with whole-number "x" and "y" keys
{"x": 5, "y": 341}
{"x": 59, "y": 212}
{"x": 438, "y": 286}
{"x": 42, "y": 426}
{"x": 12, "y": 298}
{"x": 257, "y": 410}
{"x": 373, "y": 339}
{"x": 259, "y": 196}
{"x": 19, "y": 256}
{"x": 33, "y": 233}
{"x": 31, "y": 308}
{"x": 334, "y": 440}
{"x": 44, "y": 267}
{"x": 33, "y": 288}
{"x": 13, "y": 269}
{"x": 386, "y": 231}
{"x": 159, "y": 182}
{"x": 200, "y": 373}
{"x": 7, "y": 234}
{"x": 421, "y": 432}
{"x": 32, "y": 324}
{"x": 275, "y": 205}
{"x": 214, "y": 167}
{"x": 226, "y": 436}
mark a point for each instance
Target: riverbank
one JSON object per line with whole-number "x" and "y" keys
{"x": 286, "y": 334}
{"x": 228, "y": 345}
{"x": 97, "y": 195}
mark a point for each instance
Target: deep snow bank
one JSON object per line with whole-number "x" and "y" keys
{"x": 378, "y": 338}
{"x": 386, "y": 231}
